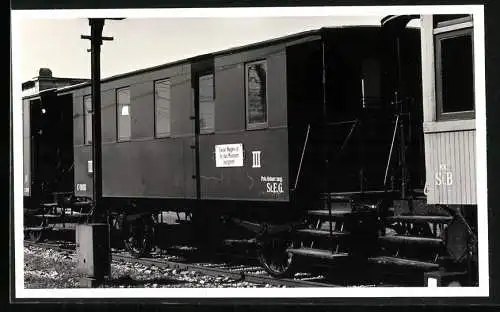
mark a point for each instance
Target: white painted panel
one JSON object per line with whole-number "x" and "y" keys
{"x": 429, "y": 163}
{"x": 473, "y": 184}
{"x": 462, "y": 161}
{"x": 466, "y": 169}
{"x": 451, "y": 167}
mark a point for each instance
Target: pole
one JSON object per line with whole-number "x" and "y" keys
{"x": 96, "y": 33}
{"x": 93, "y": 239}
{"x": 96, "y": 38}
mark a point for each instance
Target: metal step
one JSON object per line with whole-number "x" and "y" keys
{"x": 61, "y": 194}
{"x": 420, "y": 219}
{"x": 321, "y": 233}
{"x": 63, "y": 227}
{"x": 76, "y": 214}
{"x": 49, "y": 205}
{"x": 336, "y": 198}
{"x": 69, "y": 227}
{"x": 342, "y": 206}
{"x": 34, "y": 228}
{"x": 251, "y": 241}
{"x": 66, "y": 217}
{"x": 54, "y": 227}
{"x": 48, "y": 216}
{"x": 317, "y": 253}
{"x": 359, "y": 194}
{"x": 419, "y": 193}
{"x": 325, "y": 213}
{"x": 384, "y": 260}
{"x": 82, "y": 203}
{"x": 404, "y": 239}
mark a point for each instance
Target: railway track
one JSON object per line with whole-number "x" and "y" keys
{"x": 249, "y": 271}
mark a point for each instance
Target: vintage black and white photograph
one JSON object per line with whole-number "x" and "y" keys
{"x": 257, "y": 152}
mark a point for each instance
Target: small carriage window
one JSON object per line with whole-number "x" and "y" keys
{"x": 162, "y": 108}
{"x": 206, "y": 99}
{"x": 256, "y": 94}
{"x": 123, "y": 100}
{"x": 455, "y": 74}
{"x": 87, "y": 113}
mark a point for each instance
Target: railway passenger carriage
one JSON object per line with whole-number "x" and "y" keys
{"x": 231, "y": 126}
{"x": 449, "y": 120}
{"x": 343, "y": 145}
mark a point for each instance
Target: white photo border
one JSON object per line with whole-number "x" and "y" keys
{"x": 480, "y": 97}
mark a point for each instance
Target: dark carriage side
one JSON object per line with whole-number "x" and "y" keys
{"x": 137, "y": 162}
{"x": 251, "y": 109}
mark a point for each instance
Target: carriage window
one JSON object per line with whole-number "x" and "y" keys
{"x": 162, "y": 108}
{"x": 455, "y": 74}
{"x": 206, "y": 99}
{"x": 87, "y": 113}
{"x": 123, "y": 100}
{"x": 256, "y": 94}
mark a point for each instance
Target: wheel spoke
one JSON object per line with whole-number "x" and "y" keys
{"x": 275, "y": 259}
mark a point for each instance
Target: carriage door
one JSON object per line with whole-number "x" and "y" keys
{"x": 204, "y": 106}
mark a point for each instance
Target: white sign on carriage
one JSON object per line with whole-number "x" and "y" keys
{"x": 229, "y": 155}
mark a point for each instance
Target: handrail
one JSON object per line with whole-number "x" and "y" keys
{"x": 353, "y": 127}
{"x": 390, "y": 151}
{"x": 356, "y": 122}
{"x": 302, "y": 156}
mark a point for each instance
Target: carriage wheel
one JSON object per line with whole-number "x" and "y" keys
{"x": 275, "y": 259}
{"x": 138, "y": 238}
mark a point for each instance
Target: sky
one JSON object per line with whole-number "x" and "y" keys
{"x": 140, "y": 42}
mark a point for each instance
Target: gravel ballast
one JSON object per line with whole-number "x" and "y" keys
{"x": 49, "y": 268}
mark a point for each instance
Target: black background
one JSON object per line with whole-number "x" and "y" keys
{"x": 492, "y": 38}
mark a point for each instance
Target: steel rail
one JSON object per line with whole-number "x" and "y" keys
{"x": 210, "y": 271}
{"x": 238, "y": 276}
{"x": 58, "y": 246}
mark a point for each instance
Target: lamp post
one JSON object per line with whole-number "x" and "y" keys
{"x": 93, "y": 245}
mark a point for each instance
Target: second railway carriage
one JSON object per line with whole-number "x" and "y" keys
{"x": 47, "y": 149}
{"x": 325, "y": 145}
{"x": 47, "y": 145}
